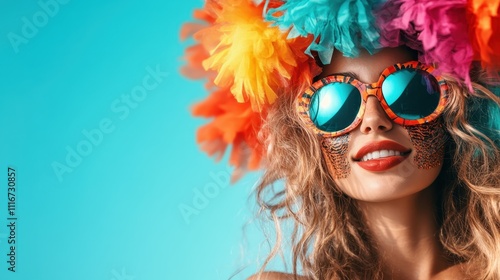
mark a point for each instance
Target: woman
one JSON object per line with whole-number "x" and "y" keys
{"x": 389, "y": 166}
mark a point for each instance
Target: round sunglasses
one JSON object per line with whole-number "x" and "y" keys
{"x": 408, "y": 92}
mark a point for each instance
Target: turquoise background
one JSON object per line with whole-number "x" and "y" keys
{"x": 113, "y": 212}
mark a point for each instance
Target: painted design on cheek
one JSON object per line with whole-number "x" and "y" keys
{"x": 335, "y": 150}
{"x": 429, "y": 142}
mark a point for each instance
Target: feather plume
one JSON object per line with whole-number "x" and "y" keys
{"x": 344, "y": 25}
{"x": 484, "y": 27}
{"x": 196, "y": 54}
{"x": 225, "y": 47}
{"x": 233, "y": 124}
{"x": 249, "y": 56}
{"x": 436, "y": 28}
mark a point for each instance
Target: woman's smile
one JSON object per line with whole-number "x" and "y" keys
{"x": 381, "y": 155}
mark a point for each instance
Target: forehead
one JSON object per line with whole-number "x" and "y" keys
{"x": 368, "y": 67}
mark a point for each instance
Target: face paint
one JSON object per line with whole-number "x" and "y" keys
{"x": 429, "y": 141}
{"x": 335, "y": 150}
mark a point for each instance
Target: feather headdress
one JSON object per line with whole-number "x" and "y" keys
{"x": 251, "y": 52}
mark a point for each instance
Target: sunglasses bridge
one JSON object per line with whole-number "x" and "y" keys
{"x": 373, "y": 89}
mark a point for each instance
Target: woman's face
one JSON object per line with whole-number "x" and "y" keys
{"x": 380, "y": 160}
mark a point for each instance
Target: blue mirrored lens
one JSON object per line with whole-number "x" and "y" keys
{"x": 334, "y": 106}
{"x": 411, "y": 93}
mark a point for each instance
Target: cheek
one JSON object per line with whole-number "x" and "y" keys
{"x": 335, "y": 153}
{"x": 429, "y": 142}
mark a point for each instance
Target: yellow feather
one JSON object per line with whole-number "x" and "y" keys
{"x": 252, "y": 58}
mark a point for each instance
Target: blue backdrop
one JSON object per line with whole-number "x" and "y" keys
{"x": 95, "y": 126}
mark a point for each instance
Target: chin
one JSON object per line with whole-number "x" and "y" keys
{"x": 397, "y": 183}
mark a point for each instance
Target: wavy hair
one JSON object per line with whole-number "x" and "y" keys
{"x": 329, "y": 238}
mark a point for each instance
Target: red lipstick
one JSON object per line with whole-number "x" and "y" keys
{"x": 381, "y": 163}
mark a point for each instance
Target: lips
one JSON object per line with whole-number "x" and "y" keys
{"x": 380, "y": 156}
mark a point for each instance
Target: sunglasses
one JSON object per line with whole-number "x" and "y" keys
{"x": 408, "y": 92}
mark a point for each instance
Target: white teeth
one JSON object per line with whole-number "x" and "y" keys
{"x": 380, "y": 154}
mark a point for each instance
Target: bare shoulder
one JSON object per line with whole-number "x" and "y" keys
{"x": 457, "y": 271}
{"x": 276, "y": 276}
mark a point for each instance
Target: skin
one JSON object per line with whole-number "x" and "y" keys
{"x": 402, "y": 180}
{"x": 398, "y": 204}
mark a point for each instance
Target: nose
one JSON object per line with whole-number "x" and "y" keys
{"x": 375, "y": 119}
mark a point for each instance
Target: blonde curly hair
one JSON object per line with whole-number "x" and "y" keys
{"x": 330, "y": 239}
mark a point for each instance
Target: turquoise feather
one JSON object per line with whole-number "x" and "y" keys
{"x": 344, "y": 25}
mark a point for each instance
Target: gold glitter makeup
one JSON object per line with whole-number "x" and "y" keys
{"x": 429, "y": 142}
{"x": 335, "y": 150}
